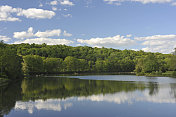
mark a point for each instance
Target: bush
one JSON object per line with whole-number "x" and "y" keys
{"x": 174, "y": 74}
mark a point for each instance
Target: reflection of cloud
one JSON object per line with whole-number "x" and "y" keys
{"x": 163, "y": 93}
{"x": 163, "y": 96}
{"x": 25, "y": 106}
{"x": 48, "y": 106}
{"x": 54, "y": 105}
{"x": 118, "y": 98}
{"x": 67, "y": 105}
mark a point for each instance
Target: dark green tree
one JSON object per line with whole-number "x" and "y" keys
{"x": 33, "y": 64}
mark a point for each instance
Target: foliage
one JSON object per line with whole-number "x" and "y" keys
{"x": 172, "y": 63}
{"x": 10, "y": 63}
{"x": 32, "y": 64}
{"x": 53, "y": 65}
{"x": 174, "y": 74}
{"x": 61, "y": 58}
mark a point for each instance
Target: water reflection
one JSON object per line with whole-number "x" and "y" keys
{"x": 60, "y": 94}
{"x": 54, "y": 105}
{"x": 8, "y": 97}
{"x": 162, "y": 95}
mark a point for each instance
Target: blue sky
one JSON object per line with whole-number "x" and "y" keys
{"x": 147, "y": 25}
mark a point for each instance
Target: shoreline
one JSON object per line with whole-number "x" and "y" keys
{"x": 4, "y": 81}
{"x": 166, "y": 74}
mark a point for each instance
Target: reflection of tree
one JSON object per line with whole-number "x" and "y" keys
{"x": 8, "y": 97}
{"x": 44, "y": 88}
{"x": 173, "y": 89}
{"x": 52, "y": 88}
{"x": 153, "y": 88}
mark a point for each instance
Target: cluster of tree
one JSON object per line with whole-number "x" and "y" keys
{"x": 44, "y": 58}
{"x": 34, "y": 64}
{"x": 156, "y": 64}
{"x": 61, "y": 58}
{"x": 10, "y": 62}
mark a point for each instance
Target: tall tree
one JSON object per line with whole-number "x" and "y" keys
{"x": 33, "y": 64}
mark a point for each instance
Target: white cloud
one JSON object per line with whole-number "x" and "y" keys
{"x": 54, "y": 8}
{"x": 67, "y": 15}
{"x": 156, "y": 37}
{"x": 173, "y": 4}
{"x": 129, "y": 35}
{"x": 7, "y": 11}
{"x": 40, "y": 5}
{"x": 152, "y": 1}
{"x": 117, "y": 2}
{"x": 43, "y": 37}
{"x": 36, "y": 13}
{"x": 158, "y": 43}
{"x": 65, "y": 33}
{"x": 48, "y": 41}
{"x": 48, "y": 33}
{"x": 66, "y": 2}
{"x": 24, "y": 34}
{"x": 4, "y": 38}
{"x": 53, "y": 2}
{"x": 113, "y": 42}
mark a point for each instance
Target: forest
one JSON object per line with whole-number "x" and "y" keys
{"x": 18, "y": 60}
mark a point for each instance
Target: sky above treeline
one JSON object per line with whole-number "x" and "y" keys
{"x": 148, "y": 25}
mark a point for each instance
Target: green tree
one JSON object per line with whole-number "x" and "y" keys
{"x": 10, "y": 63}
{"x": 148, "y": 64}
{"x": 33, "y": 64}
{"x": 172, "y": 63}
{"x": 83, "y": 65}
{"x": 102, "y": 65}
{"x": 71, "y": 64}
{"x": 53, "y": 65}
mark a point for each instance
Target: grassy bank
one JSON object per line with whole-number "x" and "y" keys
{"x": 153, "y": 74}
{"x": 159, "y": 74}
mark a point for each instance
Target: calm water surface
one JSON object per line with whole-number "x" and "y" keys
{"x": 90, "y": 96}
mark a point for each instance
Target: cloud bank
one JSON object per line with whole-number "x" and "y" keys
{"x": 118, "y": 2}
{"x": 111, "y": 42}
{"x": 5, "y": 38}
{"x": 42, "y": 37}
{"x": 158, "y": 43}
{"x": 8, "y": 13}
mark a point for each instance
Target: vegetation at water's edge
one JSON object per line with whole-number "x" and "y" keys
{"x": 10, "y": 63}
{"x": 33, "y": 59}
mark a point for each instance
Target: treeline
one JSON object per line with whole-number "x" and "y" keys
{"x": 10, "y": 62}
{"x": 42, "y": 58}
{"x": 34, "y": 64}
{"x": 61, "y": 58}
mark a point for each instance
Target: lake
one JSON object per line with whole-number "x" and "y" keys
{"x": 90, "y": 96}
